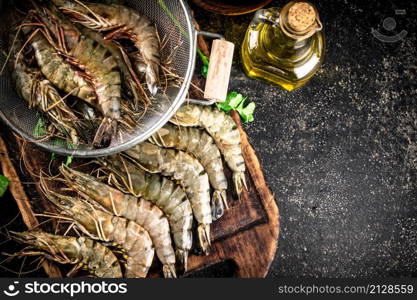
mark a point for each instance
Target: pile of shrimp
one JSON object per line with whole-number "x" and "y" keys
{"x": 128, "y": 208}
{"x": 90, "y": 69}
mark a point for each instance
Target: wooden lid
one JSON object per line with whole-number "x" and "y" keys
{"x": 301, "y": 15}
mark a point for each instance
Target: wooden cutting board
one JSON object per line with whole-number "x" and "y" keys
{"x": 248, "y": 232}
{"x": 245, "y": 237}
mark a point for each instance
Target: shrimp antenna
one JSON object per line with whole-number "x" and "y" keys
{"x": 10, "y": 51}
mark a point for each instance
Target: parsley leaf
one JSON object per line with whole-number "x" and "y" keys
{"x": 204, "y": 71}
{"x": 40, "y": 128}
{"x": 69, "y": 160}
{"x": 64, "y": 143}
{"x": 205, "y": 60}
{"x": 246, "y": 113}
{"x": 4, "y": 183}
{"x": 236, "y": 101}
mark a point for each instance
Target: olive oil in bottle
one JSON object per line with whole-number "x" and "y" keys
{"x": 284, "y": 46}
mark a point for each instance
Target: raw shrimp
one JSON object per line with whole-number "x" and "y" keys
{"x": 56, "y": 70}
{"x": 81, "y": 251}
{"x": 98, "y": 224}
{"x": 163, "y": 192}
{"x": 141, "y": 211}
{"x": 120, "y": 22}
{"x": 40, "y": 93}
{"x": 201, "y": 145}
{"x": 96, "y": 61}
{"x": 224, "y": 131}
{"x": 189, "y": 172}
{"x": 129, "y": 76}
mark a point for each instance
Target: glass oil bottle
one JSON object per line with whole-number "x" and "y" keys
{"x": 284, "y": 46}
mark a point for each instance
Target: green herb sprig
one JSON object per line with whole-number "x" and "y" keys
{"x": 4, "y": 183}
{"x": 236, "y": 101}
{"x": 205, "y": 61}
{"x": 40, "y": 130}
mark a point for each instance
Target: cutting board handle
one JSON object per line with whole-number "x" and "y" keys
{"x": 220, "y": 67}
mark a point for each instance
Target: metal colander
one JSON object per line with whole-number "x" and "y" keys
{"x": 173, "y": 20}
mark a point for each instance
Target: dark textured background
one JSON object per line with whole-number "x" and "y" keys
{"x": 340, "y": 154}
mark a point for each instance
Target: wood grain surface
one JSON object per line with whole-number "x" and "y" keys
{"x": 22, "y": 200}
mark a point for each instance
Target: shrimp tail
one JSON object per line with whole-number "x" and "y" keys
{"x": 151, "y": 80}
{"x": 105, "y": 133}
{"x": 169, "y": 271}
{"x": 240, "y": 183}
{"x": 218, "y": 204}
{"x": 203, "y": 233}
{"x": 182, "y": 257}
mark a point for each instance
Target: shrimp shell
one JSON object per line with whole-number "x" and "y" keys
{"x": 56, "y": 70}
{"x": 162, "y": 192}
{"x": 98, "y": 64}
{"x": 97, "y": 258}
{"x": 224, "y": 131}
{"x": 141, "y": 211}
{"x": 129, "y": 76}
{"x": 40, "y": 93}
{"x": 191, "y": 175}
{"x": 103, "y": 226}
{"x": 122, "y": 22}
{"x": 201, "y": 145}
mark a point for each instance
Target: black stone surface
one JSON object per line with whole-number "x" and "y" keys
{"x": 340, "y": 154}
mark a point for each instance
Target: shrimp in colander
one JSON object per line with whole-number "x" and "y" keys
{"x": 121, "y": 22}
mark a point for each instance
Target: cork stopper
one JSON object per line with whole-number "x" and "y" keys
{"x": 301, "y": 15}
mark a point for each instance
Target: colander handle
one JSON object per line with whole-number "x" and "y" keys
{"x": 220, "y": 67}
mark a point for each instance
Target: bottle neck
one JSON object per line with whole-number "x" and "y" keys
{"x": 279, "y": 44}
{"x": 290, "y": 41}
